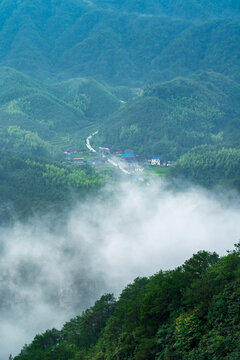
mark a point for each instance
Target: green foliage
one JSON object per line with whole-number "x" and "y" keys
{"x": 93, "y": 99}
{"x": 41, "y": 185}
{"x": 209, "y": 166}
{"x": 191, "y": 312}
{"x": 187, "y": 330}
{"x": 173, "y": 117}
{"x": 41, "y": 117}
{"x": 84, "y": 330}
{"x": 76, "y": 337}
{"x": 28, "y": 105}
{"x": 129, "y": 43}
{"x": 120, "y": 42}
{"x": 24, "y": 141}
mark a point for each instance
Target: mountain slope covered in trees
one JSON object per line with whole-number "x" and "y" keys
{"x": 41, "y": 185}
{"x": 188, "y": 313}
{"x": 51, "y": 110}
{"x": 172, "y": 117}
{"x": 120, "y": 42}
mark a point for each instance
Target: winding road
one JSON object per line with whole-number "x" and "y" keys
{"x": 88, "y": 142}
{"x": 112, "y": 162}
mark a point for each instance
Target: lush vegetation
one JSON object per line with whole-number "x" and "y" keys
{"x": 172, "y": 117}
{"x": 29, "y": 185}
{"x": 53, "y": 110}
{"x": 92, "y": 58}
{"x": 209, "y": 166}
{"x": 192, "y": 312}
{"x": 94, "y": 100}
{"x": 189, "y": 69}
{"x": 117, "y": 41}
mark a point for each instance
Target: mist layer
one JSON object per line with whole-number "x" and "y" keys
{"x": 53, "y": 269}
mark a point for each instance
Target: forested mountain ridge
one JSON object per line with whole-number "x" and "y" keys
{"x": 26, "y": 103}
{"x": 110, "y": 41}
{"x": 52, "y": 109}
{"x": 188, "y": 313}
{"x": 180, "y": 8}
{"x": 170, "y": 118}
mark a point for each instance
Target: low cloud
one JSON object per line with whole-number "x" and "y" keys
{"x": 52, "y": 269}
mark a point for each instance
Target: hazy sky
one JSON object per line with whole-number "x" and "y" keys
{"x": 51, "y": 271}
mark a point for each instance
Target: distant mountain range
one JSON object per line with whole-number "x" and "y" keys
{"x": 120, "y": 42}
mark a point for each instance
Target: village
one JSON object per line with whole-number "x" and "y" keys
{"x": 126, "y": 160}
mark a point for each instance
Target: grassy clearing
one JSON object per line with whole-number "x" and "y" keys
{"x": 153, "y": 171}
{"x": 84, "y": 156}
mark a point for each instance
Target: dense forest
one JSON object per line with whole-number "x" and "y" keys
{"x": 41, "y": 185}
{"x": 120, "y": 42}
{"x": 191, "y": 312}
{"x": 53, "y": 109}
{"x": 170, "y": 118}
{"x": 210, "y": 166}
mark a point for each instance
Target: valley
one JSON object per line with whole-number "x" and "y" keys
{"x": 119, "y": 179}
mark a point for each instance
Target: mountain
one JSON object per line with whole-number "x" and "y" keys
{"x": 122, "y": 43}
{"x": 93, "y": 99}
{"x": 210, "y": 46}
{"x": 181, "y": 8}
{"x": 191, "y": 312}
{"x": 83, "y": 59}
{"x": 53, "y": 110}
{"x": 26, "y": 103}
{"x": 172, "y": 117}
{"x": 160, "y": 77}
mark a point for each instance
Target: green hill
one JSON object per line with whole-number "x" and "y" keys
{"x": 172, "y": 117}
{"x": 94, "y": 100}
{"x": 52, "y": 111}
{"x": 188, "y": 313}
{"x": 26, "y": 103}
{"x": 212, "y": 46}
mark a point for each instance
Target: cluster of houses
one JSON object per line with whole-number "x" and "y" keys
{"x": 72, "y": 151}
{"x": 128, "y": 155}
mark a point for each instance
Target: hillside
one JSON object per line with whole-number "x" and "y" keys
{"x": 180, "y": 8}
{"x": 172, "y": 117}
{"x": 26, "y": 103}
{"x": 51, "y": 111}
{"x": 93, "y": 99}
{"x": 122, "y": 43}
{"x": 41, "y": 185}
{"x": 212, "y": 46}
{"x": 188, "y": 313}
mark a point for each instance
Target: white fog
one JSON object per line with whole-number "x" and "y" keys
{"x": 52, "y": 271}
